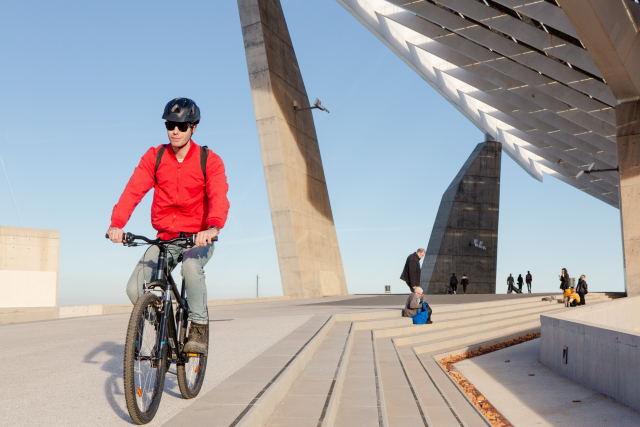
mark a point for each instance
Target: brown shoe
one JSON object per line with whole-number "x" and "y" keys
{"x": 197, "y": 339}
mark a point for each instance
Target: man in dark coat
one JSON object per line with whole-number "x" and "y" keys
{"x": 520, "y": 282}
{"x": 453, "y": 282}
{"x": 582, "y": 289}
{"x": 411, "y": 272}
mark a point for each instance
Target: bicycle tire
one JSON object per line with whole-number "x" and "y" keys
{"x": 138, "y": 359}
{"x": 190, "y": 382}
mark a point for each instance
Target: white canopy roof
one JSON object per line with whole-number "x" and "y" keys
{"x": 519, "y": 71}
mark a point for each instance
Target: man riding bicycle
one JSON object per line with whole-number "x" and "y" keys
{"x": 190, "y": 196}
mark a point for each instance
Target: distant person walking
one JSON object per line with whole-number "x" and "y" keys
{"x": 411, "y": 272}
{"x": 453, "y": 282}
{"x": 582, "y": 289}
{"x": 464, "y": 282}
{"x": 510, "y": 282}
{"x": 520, "y": 282}
{"x": 565, "y": 282}
{"x": 528, "y": 279}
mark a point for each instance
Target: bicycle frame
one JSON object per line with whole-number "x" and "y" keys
{"x": 169, "y": 331}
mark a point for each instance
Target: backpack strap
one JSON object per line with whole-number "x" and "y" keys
{"x": 204, "y": 155}
{"x": 158, "y": 160}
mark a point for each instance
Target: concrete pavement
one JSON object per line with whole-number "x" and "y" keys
{"x": 68, "y": 372}
{"x": 544, "y": 399}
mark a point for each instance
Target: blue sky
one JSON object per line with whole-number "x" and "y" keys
{"x": 83, "y": 88}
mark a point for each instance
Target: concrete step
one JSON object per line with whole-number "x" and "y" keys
{"x": 466, "y": 311}
{"x": 362, "y": 399}
{"x": 486, "y": 304}
{"x": 472, "y": 320}
{"x": 385, "y": 323}
{"x": 312, "y": 399}
{"x": 402, "y": 403}
{"x": 369, "y": 315}
{"x": 444, "y": 406}
{"x": 453, "y": 332}
{"x": 467, "y": 339}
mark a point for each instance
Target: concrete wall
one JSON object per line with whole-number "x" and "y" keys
{"x": 603, "y": 347}
{"x": 468, "y": 211}
{"x": 628, "y": 140}
{"x": 306, "y": 241}
{"x": 28, "y": 267}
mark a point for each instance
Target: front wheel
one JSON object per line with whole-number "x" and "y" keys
{"x": 191, "y": 374}
{"x": 143, "y": 371}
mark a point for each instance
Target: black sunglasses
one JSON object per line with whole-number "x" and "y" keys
{"x": 182, "y": 127}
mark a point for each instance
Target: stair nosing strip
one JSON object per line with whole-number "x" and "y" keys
{"x": 420, "y": 334}
{"x": 455, "y": 337}
{"x": 423, "y": 412}
{"x": 251, "y": 404}
{"x": 444, "y": 396}
{"x": 423, "y": 344}
{"x": 342, "y": 363}
{"x": 382, "y": 412}
{"x": 485, "y": 342}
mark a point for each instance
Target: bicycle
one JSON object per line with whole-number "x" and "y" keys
{"x": 153, "y": 324}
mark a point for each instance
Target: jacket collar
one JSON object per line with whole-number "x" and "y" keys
{"x": 192, "y": 149}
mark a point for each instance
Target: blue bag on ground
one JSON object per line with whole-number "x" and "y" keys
{"x": 422, "y": 316}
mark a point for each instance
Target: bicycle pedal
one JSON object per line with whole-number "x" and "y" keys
{"x": 193, "y": 355}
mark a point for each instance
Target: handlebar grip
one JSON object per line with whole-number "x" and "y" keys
{"x": 124, "y": 235}
{"x": 191, "y": 240}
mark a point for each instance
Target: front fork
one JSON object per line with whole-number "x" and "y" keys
{"x": 172, "y": 331}
{"x": 168, "y": 333}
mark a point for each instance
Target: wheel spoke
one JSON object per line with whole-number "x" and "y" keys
{"x": 146, "y": 373}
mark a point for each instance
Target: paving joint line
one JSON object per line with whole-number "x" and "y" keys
{"x": 425, "y": 418}
{"x": 444, "y": 397}
{"x": 335, "y": 376}
{"x": 381, "y": 417}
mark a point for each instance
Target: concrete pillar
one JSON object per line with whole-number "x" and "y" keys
{"x": 464, "y": 239}
{"x": 28, "y": 267}
{"x": 628, "y": 140}
{"x": 305, "y": 235}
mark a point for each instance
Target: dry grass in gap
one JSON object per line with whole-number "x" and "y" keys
{"x": 480, "y": 401}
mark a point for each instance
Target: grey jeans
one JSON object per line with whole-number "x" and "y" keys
{"x": 193, "y": 263}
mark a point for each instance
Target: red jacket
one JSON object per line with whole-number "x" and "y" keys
{"x": 180, "y": 200}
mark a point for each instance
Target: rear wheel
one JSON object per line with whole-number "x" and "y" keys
{"x": 191, "y": 374}
{"x": 143, "y": 372}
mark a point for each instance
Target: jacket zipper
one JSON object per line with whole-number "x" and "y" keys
{"x": 173, "y": 221}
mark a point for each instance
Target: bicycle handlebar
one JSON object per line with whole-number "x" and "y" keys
{"x": 189, "y": 240}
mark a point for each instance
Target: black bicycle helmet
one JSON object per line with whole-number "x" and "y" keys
{"x": 182, "y": 110}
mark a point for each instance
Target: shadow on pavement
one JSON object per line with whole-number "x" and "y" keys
{"x": 113, "y": 386}
{"x": 113, "y": 366}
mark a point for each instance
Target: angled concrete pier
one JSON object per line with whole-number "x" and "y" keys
{"x": 464, "y": 239}
{"x": 306, "y": 240}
